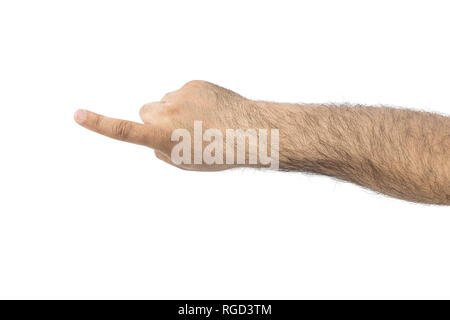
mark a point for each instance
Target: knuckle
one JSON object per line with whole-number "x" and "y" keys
{"x": 168, "y": 96}
{"x": 195, "y": 84}
{"x": 143, "y": 110}
{"x": 169, "y": 111}
{"x": 97, "y": 121}
{"x": 121, "y": 129}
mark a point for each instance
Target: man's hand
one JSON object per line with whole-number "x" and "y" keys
{"x": 215, "y": 106}
{"x": 402, "y": 153}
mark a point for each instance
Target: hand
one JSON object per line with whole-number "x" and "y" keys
{"x": 402, "y": 153}
{"x": 215, "y": 106}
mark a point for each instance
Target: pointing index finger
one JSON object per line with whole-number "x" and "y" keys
{"x": 119, "y": 129}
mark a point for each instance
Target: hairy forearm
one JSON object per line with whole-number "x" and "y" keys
{"x": 402, "y": 153}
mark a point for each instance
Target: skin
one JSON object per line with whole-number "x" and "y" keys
{"x": 398, "y": 152}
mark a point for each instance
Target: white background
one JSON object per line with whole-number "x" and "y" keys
{"x": 84, "y": 216}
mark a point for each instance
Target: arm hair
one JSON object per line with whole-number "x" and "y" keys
{"x": 398, "y": 152}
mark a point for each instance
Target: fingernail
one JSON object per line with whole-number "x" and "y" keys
{"x": 80, "y": 116}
